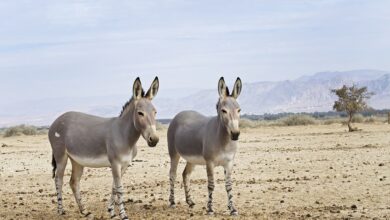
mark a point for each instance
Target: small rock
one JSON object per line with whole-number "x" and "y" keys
{"x": 353, "y": 207}
{"x": 40, "y": 190}
{"x": 381, "y": 164}
{"x": 281, "y": 201}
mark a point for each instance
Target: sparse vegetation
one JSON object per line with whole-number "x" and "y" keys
{"x": 351, "y": 100}
{"x": 24, "y": 130}
{"x": 295, "y": 120}
{"x": 160, "y": 126}
{"x": 299, "y": 119}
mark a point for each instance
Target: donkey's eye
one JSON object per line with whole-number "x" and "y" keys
{"x": 224, "y": 111}
{"x": 239, "y": 110}
{"x": 140, "y": 113}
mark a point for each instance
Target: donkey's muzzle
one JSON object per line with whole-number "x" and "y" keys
{"x": 235, "y": 135}
{"x": 152, "y": 141}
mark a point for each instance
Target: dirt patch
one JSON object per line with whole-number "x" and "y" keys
{"x": 304, "y": 172}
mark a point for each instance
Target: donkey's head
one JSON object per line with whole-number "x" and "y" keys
{"x": 228, "y": 107}
{"x": 144, "y": 115}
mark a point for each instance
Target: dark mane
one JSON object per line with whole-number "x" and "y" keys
{"x": 128, "y": 103}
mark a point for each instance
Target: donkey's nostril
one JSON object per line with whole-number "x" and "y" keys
{"x": 150, "y": 139}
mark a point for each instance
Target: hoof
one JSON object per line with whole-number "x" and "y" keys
{"x": 61, "y": 212}
{"x": 89, "y": 215}
{"x": 190, "y": 203}
{"x": 210, "y": 213}
{"x": 114, "y": 217}
{"x": 172, "y": 205}
{"x": 234, "y": 213}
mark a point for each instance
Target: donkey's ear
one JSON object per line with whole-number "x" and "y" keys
{"x": 222, "y": 88}
{"x": 237, "y": 88}
{"x": 137, "y": 89}
{"x": 152, "y": 92}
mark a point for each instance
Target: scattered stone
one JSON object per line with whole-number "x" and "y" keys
{"x": 381, "y": 164}
{"x": 281, "y": 201}
{"x": 40, "y": 190}
{"x": 354, "y": 207}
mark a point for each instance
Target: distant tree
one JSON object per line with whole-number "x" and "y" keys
{"x": 351, "y": 100}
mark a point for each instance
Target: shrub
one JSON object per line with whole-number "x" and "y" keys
{"x": 294, "y": 120}
{"x": 160, "y": 126}
{"x": 358, "y": 118}
{"x": 247, "y": 123}
{"x": 19, "y": 130}
{"x": 335, "y": 120}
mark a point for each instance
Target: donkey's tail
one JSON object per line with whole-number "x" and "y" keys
{"x": 54, "y": 164}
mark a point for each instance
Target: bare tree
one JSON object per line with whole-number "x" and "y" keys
{"x": 351, "y": 100}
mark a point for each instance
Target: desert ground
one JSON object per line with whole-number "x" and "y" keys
{"x": 297, "y": 172}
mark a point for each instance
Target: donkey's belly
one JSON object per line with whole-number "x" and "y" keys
{"x": 95, "y": 162}
{"x": 197, "y": 160}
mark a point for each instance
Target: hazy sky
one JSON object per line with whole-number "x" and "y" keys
{"x": 88, "y": 48}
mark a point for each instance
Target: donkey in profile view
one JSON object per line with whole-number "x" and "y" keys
{"x": 91, "y": 141}
{"x": 206, "y": 141}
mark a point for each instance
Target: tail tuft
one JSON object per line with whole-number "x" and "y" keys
{"x": 54, "y": 164}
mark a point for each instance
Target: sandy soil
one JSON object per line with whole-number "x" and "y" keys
{"x": 319, "y": 172}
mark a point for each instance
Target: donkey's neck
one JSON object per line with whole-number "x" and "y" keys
{"x": 126, "y": 125}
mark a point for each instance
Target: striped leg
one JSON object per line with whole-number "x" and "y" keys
{"x": 111, "y": 202}
{"x": 186, "y": 181}
{"x": 228, "y": 185}
{"x": 116, "y": 173}
{"x": 210, "y": 187}
{"x": 172, "y": 179}
{"x": 59, "y": 176}
{"x": 77, "y": 172}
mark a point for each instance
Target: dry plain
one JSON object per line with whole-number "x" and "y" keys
{"x": 299, "y": 172}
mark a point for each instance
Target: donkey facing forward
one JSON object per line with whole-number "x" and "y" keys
{"x": 206, "y": 141}
{"x": 91, "y": 141}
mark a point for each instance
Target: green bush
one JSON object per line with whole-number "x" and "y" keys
{"x": 295, "y": 120}
{"x": 160, "y": 126}
{"x": 335, "y": 120}
{"x": 358, "y": 118}
{"x": 247, "y": 123}
{"x": 19, "y": 130}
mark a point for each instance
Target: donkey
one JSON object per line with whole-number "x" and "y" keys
{"x": 206, "y": 141}
{"x": 91, "y": 141}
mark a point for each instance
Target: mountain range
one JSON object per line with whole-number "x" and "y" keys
{"x": 305, "y": 94}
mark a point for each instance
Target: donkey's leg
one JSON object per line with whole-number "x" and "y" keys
{"x": 210, "y": 187}
{"x": 77, "y": 172}
{"x": 59, "y": 177}
{"x": 117, "y": 176}
{"x": 172, "y": 178}
{"x": 186, "y": 181}
{"x": 111, "y": 202}
{"x": 228, "y": 184}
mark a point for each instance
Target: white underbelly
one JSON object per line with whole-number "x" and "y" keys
{"x": 102, "y": 161}
{"x": 198, "y": 160}
{"x": 95, "y": 162}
